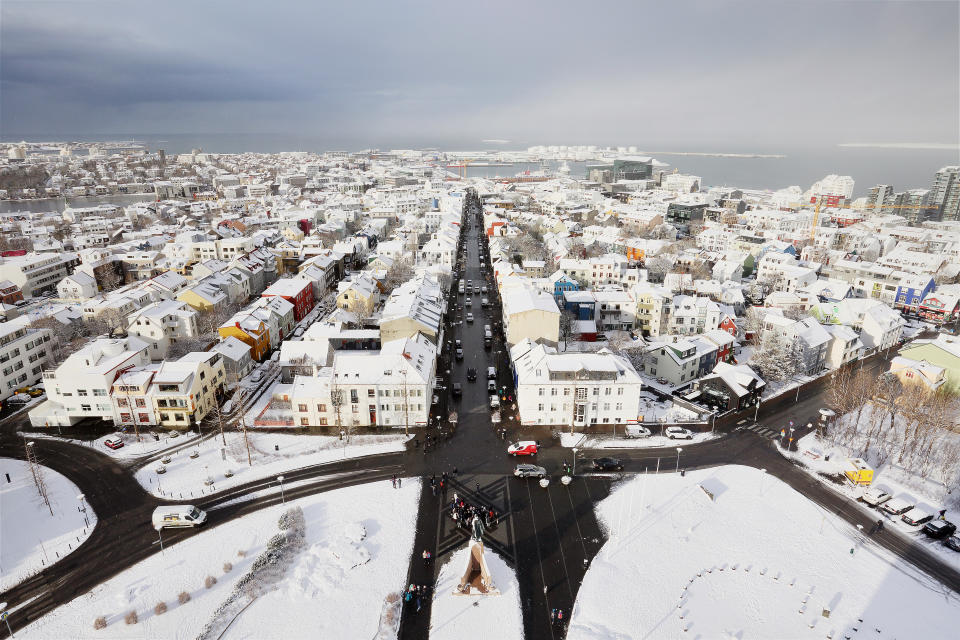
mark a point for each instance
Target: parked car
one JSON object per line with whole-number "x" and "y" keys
{"x": 469, "y": 302}
{"x": 523, "y": 448}
{"x": 939, "y": 529}
{"x": 897, "y": 506}
{"x": 529, "y": 470}
{"x": 678, "y": 433}
{"x": 256, "y": 376}
{"x": 113, "y": 443}
{"x": 459, "y": 354}
{"x": 636, "y": 431}
{"x": 875, "y": 496}
{"x": 469, "y": 317}
{"x": 483, "y": 289}
{"x": 916, "y": 517}
{"x": 484, "y": 302}
{"x": 495, "y": 417}
{"x": 661, "y": 380}
{"x": 607, "y": 464}
{"x": 471, "y": 374}
{"x": 178, "y": 515}
{"x": 457, "y": 389}
{"x": 458, "y": 343}
{"x": 491, "y": 373}
{"x": 953, "y": 542}
{"x": 492, "y": 386}
{"x": 494, "y": 401}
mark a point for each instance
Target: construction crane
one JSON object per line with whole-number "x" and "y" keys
{"x": 819, "y": 205}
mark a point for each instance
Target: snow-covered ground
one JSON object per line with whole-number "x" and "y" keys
{"x": 272, "y": 454}
{"x": 460, "y": 617}
{"x": 582, "y": 441}
{"x": 357, "y": 545}
{"x": 757, "y": 560}
{"x": 30, "y": 537}
{"x": 131, "y": 449}
{"x": 927, "y": 494}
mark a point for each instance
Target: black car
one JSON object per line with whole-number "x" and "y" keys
{"x": 459, "y": 354}
{"x": 939, "y": 529}
{"x": 607, "y": 464}
{"x": 953, "y": 542}
{"x": 471, "y": 374}
{"x": 457, "y": 389}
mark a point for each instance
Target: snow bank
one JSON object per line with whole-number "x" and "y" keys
{"x": 30, "y": 537}
{"x": 729, "y": 552}
{"x": 272, "y": 454}
{"x": 347, "y": 608}
{"x": 456, "y": 617}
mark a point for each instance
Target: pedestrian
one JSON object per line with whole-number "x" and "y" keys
{"x": 393, "y": 481}
{"x": 943, "y": 513}
{"x": 880, "y": 524}
{"x": 478, "y": 487}
{"x": 553, "y": 612}
{"x": 399, "y": 482}
{"x": 454, "y": 471}
{"x": 433, "y": 488}
{"x": 443, "y": 476}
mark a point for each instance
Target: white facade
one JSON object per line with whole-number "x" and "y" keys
{"x": 574, "y": 389}
{"x": 24, "y": 352}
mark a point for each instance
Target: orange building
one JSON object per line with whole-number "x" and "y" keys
{"x": 250, "y": 330}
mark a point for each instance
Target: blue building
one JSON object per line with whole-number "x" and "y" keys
{"x": 582, "y": 304}
{"x": 562, "y": 282}
{"x": 912, "y": 290}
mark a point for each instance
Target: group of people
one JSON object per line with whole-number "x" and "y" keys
{"x": 556, "y": 617}
{"x": 416, "y": 593}
{"x": 462, "y": 513}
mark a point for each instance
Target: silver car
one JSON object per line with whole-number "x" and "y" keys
{"x": 529, "y": 470}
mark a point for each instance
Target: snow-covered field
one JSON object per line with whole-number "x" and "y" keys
{"x": 357, "y": 545}
{"x": 653, "y": 442}
{"x": 31, "y": 538}
{"x": 459, "y": 617}
{"x": 757, "y": 561}
{"x": 272, "y": 454}
{"x": 131, "y": 449}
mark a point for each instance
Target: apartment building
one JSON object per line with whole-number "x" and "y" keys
{"x": 574, "y": 389}
{"x": 162, "y": 324}
{"x": 34, "y": 272}
{"x": 24, "y": 352}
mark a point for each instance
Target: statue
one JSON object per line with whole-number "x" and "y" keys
{"x": 476, "y": 579}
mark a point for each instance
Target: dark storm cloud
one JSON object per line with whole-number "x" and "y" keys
{"x": 562, "y": 71}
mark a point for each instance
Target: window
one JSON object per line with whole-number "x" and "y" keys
{"x": 540, "y": 391}
{"x": 607, "y": 391}
{"x": 566, "y": 391}
{"x": 302, "y": 408}
{"x": 323, "y": 422}
{"x": 540, "y": 407}
{"x": 143, "y": 417}
{"x": 593, "y": 406}
{"x": 619, "y": 406}
{"x": 178, "y": 416}
{"x": 304, "y": 422}
{"x": 84, "y": 407}
{"x": 82, "y": 392}
{"x": 596, "y": 391}
{"x": 620, "y": 391}
{"x": 353, "y": 397}
{"x": 122, "y": 402}
{"x": 371, "y": 393}
{"x": 124, "y": 417}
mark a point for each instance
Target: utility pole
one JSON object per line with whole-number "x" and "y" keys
{"x": 37, "y": 472}
{"x": 406, "y": 405}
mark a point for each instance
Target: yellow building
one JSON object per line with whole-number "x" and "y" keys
{"x": 251, "y": 331}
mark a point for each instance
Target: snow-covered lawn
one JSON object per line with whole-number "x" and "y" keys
{"x": 927, "y": 494}
{"x": 758, "y": 560}
{"x": 459, "y": 617}
{"x": 131, "y": 449}
{"x": 31, "y": 538}
{"x": 272, "y": 454}
{"x": 357, "y": 544}
{"x": 653, "y": 442}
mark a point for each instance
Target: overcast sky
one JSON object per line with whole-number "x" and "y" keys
{"x": 681, "y": 73}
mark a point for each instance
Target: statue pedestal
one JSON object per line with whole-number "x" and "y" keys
{"x": 476, "y": 580}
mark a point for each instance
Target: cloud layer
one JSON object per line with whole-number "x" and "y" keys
{"x": 757, "y": 74}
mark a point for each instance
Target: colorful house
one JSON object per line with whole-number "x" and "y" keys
{"x": 296, "y": 291}
{"x": 250, "y": 330}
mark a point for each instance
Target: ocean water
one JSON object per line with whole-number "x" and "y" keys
{"x": 902, "y": 168}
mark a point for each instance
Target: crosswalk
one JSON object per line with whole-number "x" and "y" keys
{"x": 766, "y": 432}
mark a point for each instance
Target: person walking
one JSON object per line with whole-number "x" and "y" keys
{"x": 399, "y": 482}
{"x": 393, "y": 481}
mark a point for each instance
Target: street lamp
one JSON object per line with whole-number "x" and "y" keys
{"x": 282, "y": 497}
{"x": 83, "y": 509}
{"x": 763, "y": 474}
{"x": 679, "y": 449}
{"x": 574, "y": 470}
{"x": 790, "y": 443}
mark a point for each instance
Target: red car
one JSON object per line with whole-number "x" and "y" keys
{"x": 113, "y": 443}
{"x": 523, "y": 448}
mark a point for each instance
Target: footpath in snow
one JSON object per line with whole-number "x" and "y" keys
{"x": 337, "y": 579}
{"x": 216, "y": 467}
{"x": 459, "y": 617}
{"x": 30, "y": 536}
{"x": 731, "y": 553}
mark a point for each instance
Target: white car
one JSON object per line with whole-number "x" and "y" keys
{"x": 469, "y": 317}
{"x": 678, "y": 433}
{"x": 875, "y": 496}
{"x": 494, "y": 402}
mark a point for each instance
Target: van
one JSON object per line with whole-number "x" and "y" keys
{"x": 636, "y": 431}
{"x": 178, "y": 515}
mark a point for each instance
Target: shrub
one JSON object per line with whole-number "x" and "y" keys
{"x": 227, "y": 567}
{"x": 160, "y": 609}
{"x": 130, "y": 618}
{"x": 241, "y": 553}
{"x": 100, "y": 623}
{"x": 209, "y": 582}
{"x": 184, "y": 597}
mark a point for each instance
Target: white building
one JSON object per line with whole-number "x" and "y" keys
{"x": 528, "y": 313}
{"x": 24, "y": 352}
{"x": 77, "y": 286}
{"x": 80, "y": 386}
{"x": 574, "y": 389}
{"x": 161, "y": 324}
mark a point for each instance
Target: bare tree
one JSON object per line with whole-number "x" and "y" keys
{"x": 400, "y": 272}
{"x": 566, "y": 328}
